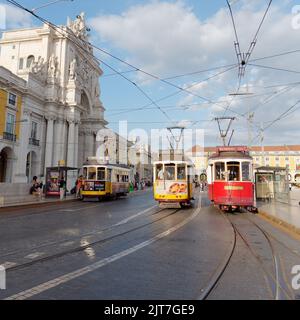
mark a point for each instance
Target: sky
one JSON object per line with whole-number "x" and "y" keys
{"x": 189, "y": 44}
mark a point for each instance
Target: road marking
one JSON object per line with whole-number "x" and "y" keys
{"x": 66, "y": 244}
{"x": 134, "y": 216}
{"x": 79, "y": 209}
{"x": 34, "y": 255}
{"x": 99, "y": 264}
{"x": 8, "y": 264}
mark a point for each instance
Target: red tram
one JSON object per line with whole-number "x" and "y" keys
{"x": 230, "y": 179}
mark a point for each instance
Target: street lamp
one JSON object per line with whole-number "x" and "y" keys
{"x": 48, "y": 4}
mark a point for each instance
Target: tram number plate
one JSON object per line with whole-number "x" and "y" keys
{"x": 233, "y": 188}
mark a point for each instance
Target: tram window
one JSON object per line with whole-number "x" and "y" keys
{"x": 181, "y": 172}
{"x": 220, "y": 171}
{"x": 170, "y": 172}
{"x": 246, "y": 171}
{"x": 92, "y": 173}
{"x": 234, "y": 171}
{"x": 84, "y": 173}
{"x": 159, "y": 172}
{"x": 101, "y": 174}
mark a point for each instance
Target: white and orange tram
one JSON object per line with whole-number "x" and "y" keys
{"x": 173, "y": 182}
{"x": 230, "y": 179}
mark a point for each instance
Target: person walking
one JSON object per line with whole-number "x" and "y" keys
{"x": 78, "y": 186}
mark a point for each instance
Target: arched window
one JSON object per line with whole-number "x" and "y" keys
{"x": 30, "y": 60}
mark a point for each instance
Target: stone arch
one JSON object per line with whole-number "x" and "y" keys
{"x": 31, "y": 165}
{"x": 85, "y": 102}
{"x": 6, "y": 165}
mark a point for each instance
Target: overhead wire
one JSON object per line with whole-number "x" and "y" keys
{"x": 63, "y": 31}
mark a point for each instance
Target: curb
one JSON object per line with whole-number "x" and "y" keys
{"x": 280, "y": 222}
{"x": 34, "y": 204}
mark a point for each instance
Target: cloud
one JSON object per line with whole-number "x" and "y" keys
{"x": 14, "y": 18}
{"x": 167, "y": 38}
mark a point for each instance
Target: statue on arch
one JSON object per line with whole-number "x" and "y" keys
{"x": 73, "y": 67}
{"x": 79, "y": 26}
{"x": 51, "y": 66}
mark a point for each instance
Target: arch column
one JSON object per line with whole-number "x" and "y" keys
{"x": 76, "y": 144}
{"x": 49, "y": 141}
{"x": 71, "y": 143}
{"x": 59, "y": 141}
{"x": 23, "y": 148}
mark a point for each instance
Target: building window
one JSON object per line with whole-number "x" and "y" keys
{"x": 286, "y": 159}
{"x": 10, "y": 124}
{"x": 277, "y": 159}
{"x": 30, "y": 60}
{"x": 12, "y": 99}
{"x": 21, "y": 63}
{"x": 34, "y": 127}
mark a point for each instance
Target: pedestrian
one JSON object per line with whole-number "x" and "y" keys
{"x": 62, "y": 185}
{"x": 78, "y": 186}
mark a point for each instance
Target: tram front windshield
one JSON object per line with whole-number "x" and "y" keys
{"x": 92, "y": 173}
{"x": 159, "y": 172}
{"x": 170, "y": 172}
{"x": 101, "y": 174}
{"x": 234, "y": 171}
{"x": 181, "y": 172}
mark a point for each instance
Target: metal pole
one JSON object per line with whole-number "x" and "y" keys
{"x": 262, "y": 143}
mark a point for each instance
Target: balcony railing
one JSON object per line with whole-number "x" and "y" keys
{"x": 34, "y": 142}
{"x": 9, "y": 136}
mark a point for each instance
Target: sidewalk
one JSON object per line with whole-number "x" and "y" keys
{"x": 285, "y": 214}
{"x": 36, "y": 200}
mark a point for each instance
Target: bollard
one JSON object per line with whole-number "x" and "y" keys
{"x": 2, "y": 278}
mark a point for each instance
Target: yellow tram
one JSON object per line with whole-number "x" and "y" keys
{"x": 173, "y": 182}
{"x": 104, "y": 180}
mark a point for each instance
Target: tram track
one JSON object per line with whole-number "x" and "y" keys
{"x": 220, "y": 271}
{"x": 94, "y": 243}
{"x": 87, "y": 234}
{"x": 274, "y": 277}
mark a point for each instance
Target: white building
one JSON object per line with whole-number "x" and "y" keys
{"x": 56, "y": 78}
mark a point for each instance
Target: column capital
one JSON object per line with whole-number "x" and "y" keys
{"x": 27, "y": 112}
{"x": 60, "y": 121}
{"x": 50, "y": 117}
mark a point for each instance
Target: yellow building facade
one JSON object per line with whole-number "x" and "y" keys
{"x": 11, "y": 104}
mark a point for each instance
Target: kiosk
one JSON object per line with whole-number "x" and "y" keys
{"x": 55, "y": 177}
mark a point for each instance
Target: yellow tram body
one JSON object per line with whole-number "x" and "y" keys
{"x": 173, "y": 182}
{"x": 104, "y": 180}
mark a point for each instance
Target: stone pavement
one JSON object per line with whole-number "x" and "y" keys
{"x": 286, "y": 214}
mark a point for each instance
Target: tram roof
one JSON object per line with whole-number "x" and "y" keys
{"x": 230, "y": 155}
{"x": 93, "y": 163}
{"x": 173, "y": 161}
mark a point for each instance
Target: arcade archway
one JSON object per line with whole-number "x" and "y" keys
{"x": 6, "y": 162}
